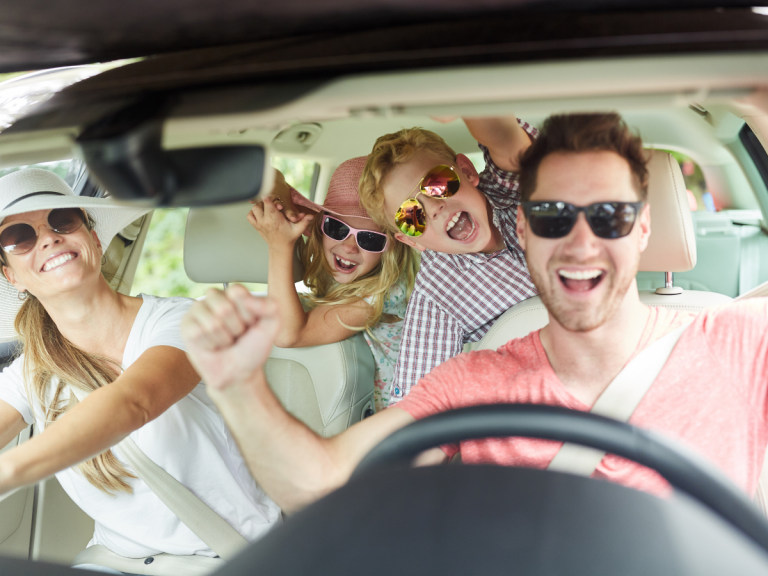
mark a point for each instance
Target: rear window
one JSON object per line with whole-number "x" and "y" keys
{"x": 699, "y": 197}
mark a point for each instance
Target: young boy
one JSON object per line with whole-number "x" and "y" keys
{"x": 472, "y": 267}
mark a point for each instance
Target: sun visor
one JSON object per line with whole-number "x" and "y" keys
{"x": 220, "y": 245}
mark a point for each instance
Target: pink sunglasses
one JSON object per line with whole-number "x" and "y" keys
{"x": 367, "y": 240}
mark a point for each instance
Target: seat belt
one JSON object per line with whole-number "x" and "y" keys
{"x": 211, "y": 528}
{"x": 622, "y": 396}
{"x": 619, "y": 401}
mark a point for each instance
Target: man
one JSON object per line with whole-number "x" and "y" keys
{"x": 472, "y": 267}
{"x": 713, "y": 402}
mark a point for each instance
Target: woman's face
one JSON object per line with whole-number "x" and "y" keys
{"x": 57, "y": 262}
{"x": 347, "y": 261}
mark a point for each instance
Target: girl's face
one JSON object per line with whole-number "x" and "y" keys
{"x": 346, "y": 259}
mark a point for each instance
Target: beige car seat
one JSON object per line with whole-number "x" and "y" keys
{"x": 672, "y": 248}
{"x": 327, "y": 387}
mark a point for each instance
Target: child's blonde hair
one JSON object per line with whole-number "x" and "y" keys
{"x": 398, "y": 262}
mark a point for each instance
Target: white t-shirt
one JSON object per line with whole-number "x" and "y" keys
{"x": 189, "y": 441}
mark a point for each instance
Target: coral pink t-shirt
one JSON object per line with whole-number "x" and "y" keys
{"x": 710, "y": 395}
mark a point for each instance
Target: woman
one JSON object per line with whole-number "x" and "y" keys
{"x": 77, "y": 333}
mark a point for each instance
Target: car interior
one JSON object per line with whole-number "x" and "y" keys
{"x": 711, "y": 109}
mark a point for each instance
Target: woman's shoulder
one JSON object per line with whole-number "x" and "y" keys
{"x": 163, "y": 304}
{"x": 159, "y": 317}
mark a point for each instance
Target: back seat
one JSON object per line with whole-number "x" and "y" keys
{"x": 328, "y": 387}
{"x": 732, "y": 255}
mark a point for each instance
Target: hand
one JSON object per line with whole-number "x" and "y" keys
{"x": 281, "y": 198}
{"x": 274, "y": 226}
{"x": 444, "y": 119}
{"x": 229, "y": 335}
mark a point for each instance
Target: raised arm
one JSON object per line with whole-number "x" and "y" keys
{"x": 321, "y": 325}
{"x": 160, "y": 377}
{"x": 504, "y": 138}
{"x": 229, "y": 337}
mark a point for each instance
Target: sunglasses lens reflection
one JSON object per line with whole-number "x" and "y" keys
{"x": 66, "y": 220}
{"x": 335, "y": 229}
{"x": 611, "y": 219}
{"x": 410, "y": 218}
{"x": 371, "y": 241}
{"x": 18, "y": 239}
{"x": 551, "y": 219}
{"x": 440, "y": 182}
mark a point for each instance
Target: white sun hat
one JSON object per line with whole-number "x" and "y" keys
{"x": 36, "y": 189}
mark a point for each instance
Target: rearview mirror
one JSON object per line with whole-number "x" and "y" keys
{"x": 134, "y": 166}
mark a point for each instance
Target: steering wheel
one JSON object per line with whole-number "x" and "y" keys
{"x": 683, "y": 469}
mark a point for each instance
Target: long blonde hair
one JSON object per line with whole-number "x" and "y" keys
{"x": 50, "y": 358}
{"x": 397, "y": 262}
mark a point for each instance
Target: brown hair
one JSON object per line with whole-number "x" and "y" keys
{"x": 49, "y": 358}
{"x": 389, "y": 151}
{"x": 585, "y": 133}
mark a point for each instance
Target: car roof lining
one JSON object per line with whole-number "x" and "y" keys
{"x": 75, "y": 33}
{"x": 652, "y": 92}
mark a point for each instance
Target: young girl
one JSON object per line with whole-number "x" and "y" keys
{"x": 359, "y": 276}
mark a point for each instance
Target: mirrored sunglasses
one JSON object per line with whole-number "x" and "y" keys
{"x": 367, "y": 240}
{"x": 440, "y": 182}
{"x": 20, "y": 237}
{"x": 609, "y": 220}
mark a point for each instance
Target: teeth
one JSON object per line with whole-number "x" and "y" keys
{"x": 58, "y": 261}
{"x": 453, "y": 221}
{"x": 580, "y": 274}
{"x": 345, "y": 262}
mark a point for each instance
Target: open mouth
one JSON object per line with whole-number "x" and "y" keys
{"x": 581, "y": 280}
{"x": 58, "y": 261}
{"x": 343, "y": 265}
{"x": 461, "y": 226}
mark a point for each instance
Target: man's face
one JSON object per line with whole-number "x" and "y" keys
{"x": 460, "y": 224}
{"x": 583, "y": 279}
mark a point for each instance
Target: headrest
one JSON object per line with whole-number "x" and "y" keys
{"x": 672, "y": 246}
{"x": 220, "y": 245}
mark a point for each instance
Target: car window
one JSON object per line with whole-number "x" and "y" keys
{"x": 161, "y": 268}
{"x": 477, "y": 160}
{"x": 67, "y": 169}
{"x": 299, "y": 173}
{"x": 699, "y": 197}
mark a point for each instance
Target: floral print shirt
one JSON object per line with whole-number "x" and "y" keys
{"x": 385, "y": 344}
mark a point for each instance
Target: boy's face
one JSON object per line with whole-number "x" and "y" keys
{"x": 583, "y": 279}
{"x": 460, "y": 224}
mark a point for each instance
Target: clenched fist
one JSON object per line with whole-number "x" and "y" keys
{"x": 229, "y": 335}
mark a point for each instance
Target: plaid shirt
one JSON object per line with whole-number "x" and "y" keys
{"x": 457, "y": 297}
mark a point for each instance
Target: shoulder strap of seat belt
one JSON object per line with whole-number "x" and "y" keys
{"x": 211, "y": 528}
{"x": 619, "y": 401}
